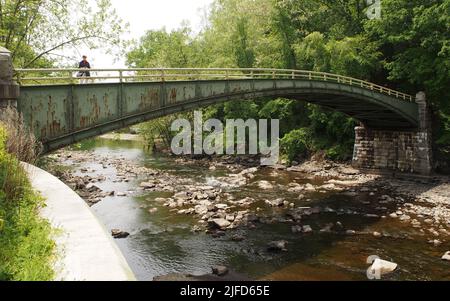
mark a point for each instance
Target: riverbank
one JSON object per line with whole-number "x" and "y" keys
{"x": 26, "y": 239}
{"x": 122, "y": 137}
{"x": 313, "y": 201}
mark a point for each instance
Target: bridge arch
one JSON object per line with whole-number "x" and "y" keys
{"x": 64, "y": 114}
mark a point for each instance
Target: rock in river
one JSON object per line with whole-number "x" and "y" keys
{"x": 446, "y": 256}
{"x": 307, "y": 229}
{"x": 297, "y": 229}
{"x": 201, "y": 209}
{"x": 220, "y": 270}
{"x": 117, "y": 234}
{"x": 265, "y": 185}
{"x": 280, "y": 245}
{"x": 153, "y": 210}
{"x": 221, "y": 223}
{"x": 382, "y": 267}
{"x": 147, "y": 185}
{"x": 276, "y": 203}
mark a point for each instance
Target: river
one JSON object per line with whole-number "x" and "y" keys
{"x": 347, "y": 226}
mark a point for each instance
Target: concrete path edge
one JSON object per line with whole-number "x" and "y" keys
{"x": 86, "y": 251}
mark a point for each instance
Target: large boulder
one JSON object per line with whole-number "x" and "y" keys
{"x": 220, "y": 223}
{"x": 382, "y": 267}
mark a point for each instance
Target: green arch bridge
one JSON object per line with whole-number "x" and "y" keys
{"x": 62, "y": 109}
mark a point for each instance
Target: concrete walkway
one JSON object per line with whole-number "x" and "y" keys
{"x": 86, "y": 251}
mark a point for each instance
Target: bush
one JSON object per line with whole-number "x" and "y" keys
{"x": 26, "y": 250}
{"x": 296, "y": 143}
{"x": 339, "y": 153}
{"x": 21, "y": 141}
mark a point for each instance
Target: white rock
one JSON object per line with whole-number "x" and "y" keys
{"x": 221, "y": 223}
{"x": 230, "y": 218}
{"x": 201, "y": 209}
{"x": 382, "y": 267}
{"x": 307, "y": 229}
{"x": 153, "y": 210}
{"x": 275, "y": 203}
{"x": 405, "y": 218}
{"x": 446, "y": 256}
{"x": 310, "y": 188}
{"x": 249, "y": 171}
{"x": 221, "y": 206}
{"x": 266, "y": 185}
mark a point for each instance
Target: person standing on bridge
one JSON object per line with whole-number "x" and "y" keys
{"x": 84, "y": 64}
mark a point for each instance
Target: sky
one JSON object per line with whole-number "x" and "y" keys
{"x": 143, "y": 15}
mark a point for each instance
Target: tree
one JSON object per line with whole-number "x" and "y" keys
{"x": 33, "y": 30}
{"x": 415, "y": 41}
{"x": 159, "y": 48}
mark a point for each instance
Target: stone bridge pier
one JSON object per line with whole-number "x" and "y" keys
{"x": 403, "y": 151}
{"x": 9, "y": 90}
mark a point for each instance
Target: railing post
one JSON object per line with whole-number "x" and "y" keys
{"x": 72, "y": 78}
{"x": 226, "y": 74}
{"x": 121, "y": 76}
{"x": 163, "y": 76}
{"x": 293, "y": 75}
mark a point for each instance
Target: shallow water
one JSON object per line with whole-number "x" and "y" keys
{"x": 162, "y": 243}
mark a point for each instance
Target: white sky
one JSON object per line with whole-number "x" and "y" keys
{"x": 143, "y": 15}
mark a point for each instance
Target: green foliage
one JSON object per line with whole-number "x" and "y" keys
{"x": 297, "y": 142}
{"x": 159, "y": 130}
{"x": 26, "y": 251}
{"x": 158, "y": 48}
{"x": 414, "y": 38}
{"x": 32, "y": 30}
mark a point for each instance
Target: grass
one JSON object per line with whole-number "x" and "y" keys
{"x": 26, "y": 246}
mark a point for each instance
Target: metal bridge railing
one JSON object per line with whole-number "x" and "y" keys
{"x": 33, "y": 77}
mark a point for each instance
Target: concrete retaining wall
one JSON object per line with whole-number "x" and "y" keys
{"x": 86, "y": 251}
